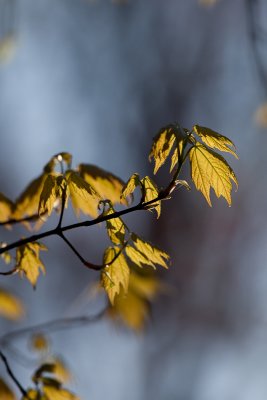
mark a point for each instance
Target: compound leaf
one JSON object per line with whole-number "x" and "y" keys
{"x": 211, "y": 170}
{"x": 215, "y": 140}
{"x": 83, "y": 196}
{"x": 10, "y": 306}
{"x": 150, "y": 192}
{"x": 115, "y": 275}
{"x": 108, "y": 185}
{"x": 28, "y": 262}
{"x": 155, "y": 255}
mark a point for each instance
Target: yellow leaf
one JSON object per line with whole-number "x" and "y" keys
{"x": 61, "y": 371}
{"x": 28, "y": 201}
{"x": 58, "y": 159}
{"x": 7, "y": 48}
{"x": 151, "y": 192}
{"x": 5, "y": 391}
{"x": 83, "y": 196}
{"x": 146, "y": 286}
{"x": 5, "y": 256}
{"x": 136, "y": 257}
{"x": 10, "y": 306}
{"x": 53, "y": 393}
{"x": 108, "y": 185}
{"x": 115, "y": 227}
{"x": 115, "y": 274}
{"x": 6, "y": 206}
{"x": 33, "y": 395}
{"x": 210, "y": 170}
{"x": 132, "y": 183}
{"x": 261, "y": 115}
{"x": 39, "y": 342}
{"x": 215, "y": 140}
{"x": 28, "y": 262}
{"x": 52, "y": 192}
{"x": 155, "y": 255}
{"x": 208, "y": 3}
{"x": 161, "y": 148}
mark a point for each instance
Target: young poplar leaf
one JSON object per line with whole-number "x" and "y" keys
{"x": 114, "y": 276}
{"x": 115, "y": 227}
{"x": 211, "y": 170}
{"x": 130, "y": 186}
{"x": 83, "y": 196}
{"x": 108, "y": 185}
{"x": 155, "y": 255}
{"x": 215, "y": 140}
{"x": 161, "y": 148}
{"x": 28, "y": 261}
{"x": 53, "y": 189}
{"x": 6, "y": 207}
{"x": 28, "y": 201}
{"x": 150, "y": 192}
{"x": 136, "y": 257}
{"x": 5, "y": 392}
{"x": 10, "y": 306}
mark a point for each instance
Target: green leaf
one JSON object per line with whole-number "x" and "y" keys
{"x": 28, "y": 262}
{"x": 10, "y": 306}
{"x": 115, "y": 227}
{"x": 211, "y": 170}
{"x": 108, "y": 185}
{"x": 215, "y": 140}
{"x": 150, "y": 192}
{"x": 115, "y": 275}
{"x": 130, "y": 186}
{"x": 83, "y": 196}
{"x": 154, "y": 254}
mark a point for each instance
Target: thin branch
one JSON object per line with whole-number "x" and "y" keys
{"x": 19, "y": 220}
{"x": 53, "y": 326}
{"x": 12, "y": 376}
{"x": 63, "y": 202}
{"x": 11, "y": 272}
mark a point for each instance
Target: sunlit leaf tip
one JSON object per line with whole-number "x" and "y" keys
{"x": 150, "y": 192}
{"x": 153, "y": 253}
{"x": 129, "y": 187}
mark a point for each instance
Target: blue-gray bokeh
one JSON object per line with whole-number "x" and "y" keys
{"x": 98, "y": 79}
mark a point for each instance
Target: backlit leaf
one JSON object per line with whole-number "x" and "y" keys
{"x": 53, "y": 393}
{"x": 6, "y": 206}
{"x": 33, "y": 394}
{"x": 53, "y": 189}
{"x": 150, "y": 192}
{"x": 136, "y": 257}
{"x": 61, "y": 371}
{"x": 115, "y": 228}
{"x": 210, "y": 170}
{"x": 261, "y": 115}
{"x": 5, "y": 392}
{"x": 108, "y": 185}
{"x": 5, "y": 256}
{"x": 115, "y": 275}
{"x": 161, "y": 148}
{"x": 155, "y": 255}
{"x": 7, "y": 48}
{"x": 83, "y": 196}
{"x": 10, "y": 306}
{"x": 215, "y": 140}
{"x": 28, "y": 201}
{"x": 39, "y": 342}
{"x": 132, "y": 183}
{"x": 28, "y": 262}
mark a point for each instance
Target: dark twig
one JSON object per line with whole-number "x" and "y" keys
{"x": 12, "y": 376}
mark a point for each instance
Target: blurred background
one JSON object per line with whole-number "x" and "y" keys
{"x": 99, "y": 79}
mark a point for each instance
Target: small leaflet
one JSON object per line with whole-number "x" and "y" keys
{"x": 211, "y": 170}
{"x": 150, "y": 192}
{"x": 215, "y": 140}
{"x": 115, "y": 227}
{"x": 83, "y": 196}
{"x": 6, "y": 207}
{"x": 137, "y": 257}
{"x": 5, "y": 392}
{"x": 28, "y": 261}
{"x": 161, "y": 148}
{"x": 53, "y": 189}
{"x": 108, "y": 185}
{"x": 10, "y": 306}
{"x": 115, "y": 275}
{"x": 155, "y": 255}
{"x": 130, "y": 186}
